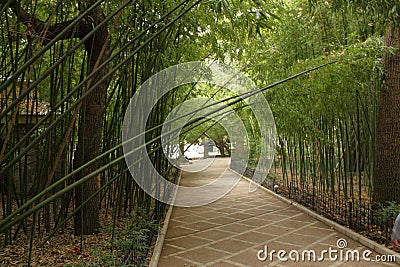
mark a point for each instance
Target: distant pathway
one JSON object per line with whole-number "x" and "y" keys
{"x": 232, "y": 231}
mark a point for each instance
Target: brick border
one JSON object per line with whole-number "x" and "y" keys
{"x": 155, "y": 257}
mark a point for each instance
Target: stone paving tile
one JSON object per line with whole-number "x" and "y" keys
{"x": 254, "y": 237}
{"x": 189, "y": 242}
{"x": 278, "y": 245}
{"x": 275, "y": 216}
{"x": 243, "y": 206}
{"x": 175, "y": 223}
{"x": 201, "y": 226}
{"x": 211, "y": 214}
{"x": 203, "y": 255}
{"x": 222, "y": 220}
{"x": 173, "y": 261}
{"x": 257, "y": 211}
{"x": 247, "y": 258}
{"x": 275, "y": 230}
{"x": 170, "y": 250}
{"x": 239, "y": 216}
{"x": 178, "y": 231}
{"x": 182, "y": 212}
{"x": 201, "y": 209}
{"x": 236, "y": 227}
{"x": 230, "y": 245}
{"x": 189, "y": 219}
{"x": 296, "y": 239}
{"x": 315, "y": 231}
{"x": 320, "y": 225}
{"x": 233, "y": 230}
{"x": 292, "y": 211}
{"x": 256, "y": 222}
{"x": 303, "y": 218}
{"x": 224, "y": 263}
{"x": 291, "y": 223}
{"x": 215, "y": 234}
{"x": 228, "y": 210}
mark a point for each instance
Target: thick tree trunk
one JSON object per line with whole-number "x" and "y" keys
{"x": 92, "y": 113}
{"x": 220, "y": 145}
{"x": 90, "y": 131}
{"x": 386, "y": 186}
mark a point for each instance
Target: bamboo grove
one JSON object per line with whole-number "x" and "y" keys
{"x": 69, "y": 69}
{"x": 327, "y": 121}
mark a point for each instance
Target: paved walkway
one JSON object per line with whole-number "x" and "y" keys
{"x": 233, "y": 230}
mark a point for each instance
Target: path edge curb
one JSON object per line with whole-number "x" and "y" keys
{"x": 340, "y": 228}
{"x": 155, "y": 257}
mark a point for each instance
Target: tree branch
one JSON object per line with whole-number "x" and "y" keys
{"x": 23, "y": 16}
{"x": 38, "y": 28}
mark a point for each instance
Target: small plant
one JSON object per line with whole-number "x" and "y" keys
{"x": 132, "y": 240}
{"x": 130, "y": 246}
{"x": 384, "y": 216}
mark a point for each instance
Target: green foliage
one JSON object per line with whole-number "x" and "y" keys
{"x": 385, "y": 214}
{"x": 323, "y": 119}
{"x": 130, "y": 246}
{"x": 59, "y": 72}
{"x": 132, "y": 242}
{"x": 330, "y": 91}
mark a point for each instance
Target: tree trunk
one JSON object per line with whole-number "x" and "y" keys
{"x": 386, "y": 184}
{"x": 206, "y": 148}
{"x": 221, "y": 148}
{"x": 87, "y": 221}
{"x": 227, "y": 149}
